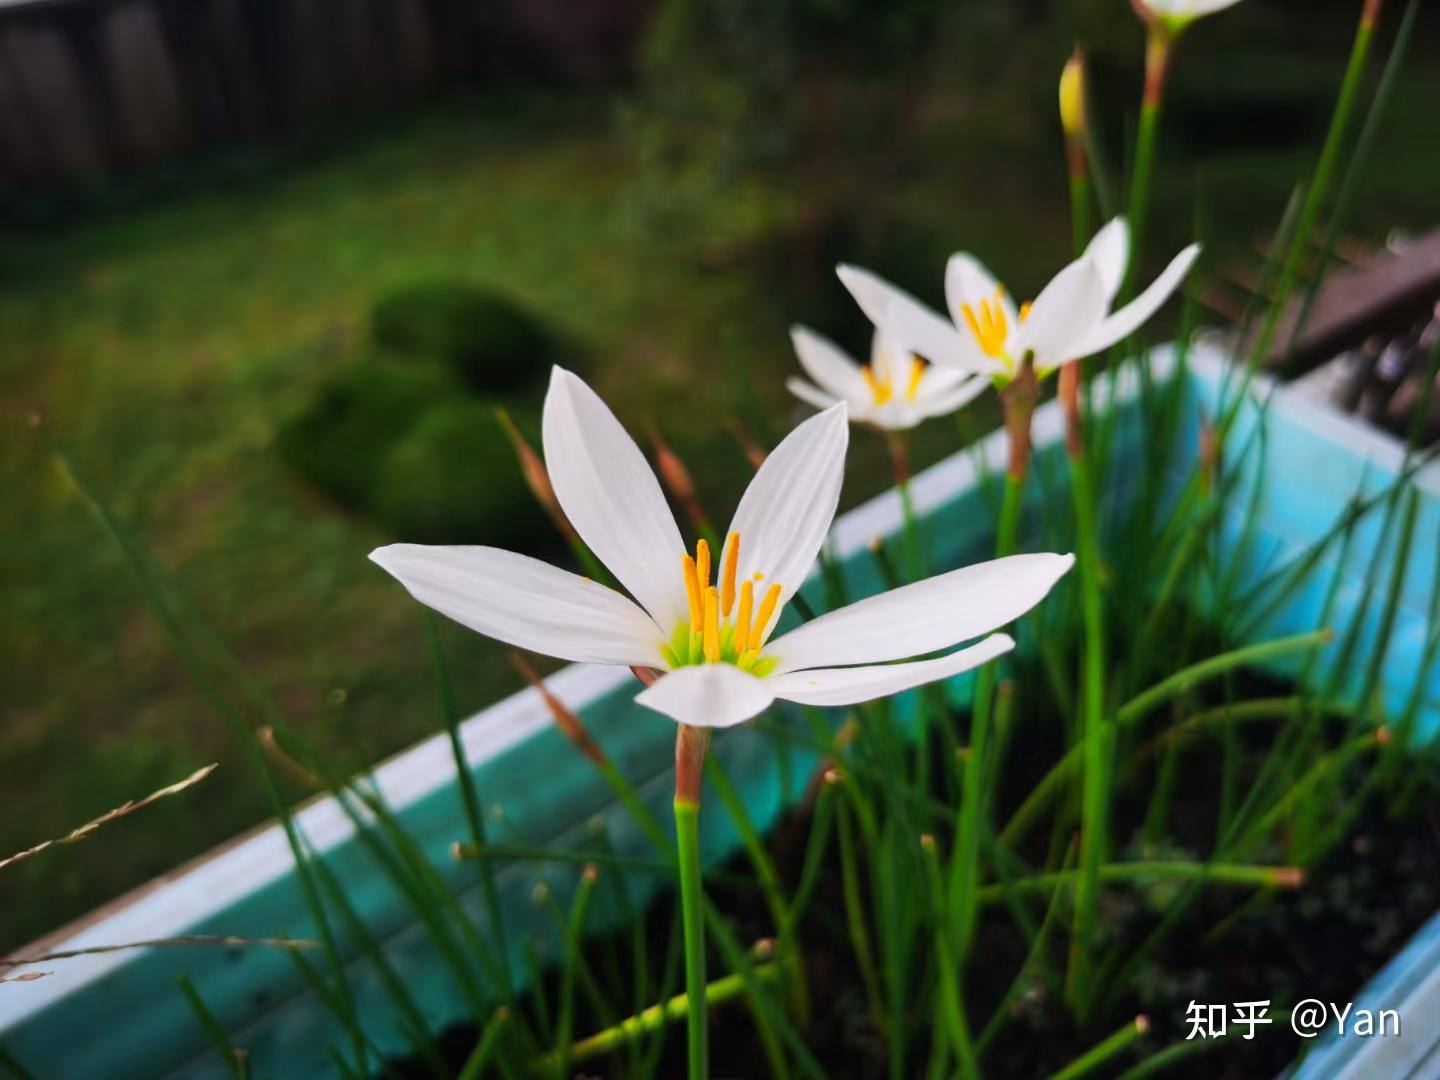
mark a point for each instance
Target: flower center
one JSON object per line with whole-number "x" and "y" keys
{"x": 882, "y": 384}
{"x": 989, "y": 324}
{"x": 724, "y": 627}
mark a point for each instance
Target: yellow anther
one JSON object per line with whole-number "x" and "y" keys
{"x": 727, "y": 577}
{"x": 880, "y": 389}
{"x": 762, "y": 617}
{"x": 742, "y": 617}
{"x": 692, "y": 592}
{"x": 712, "y": 625}
{"x": 1025, "y": 310}
{"x": 991, "y": 327}
{"x": 917, "y": 372}
{"x": 702, "y": 565}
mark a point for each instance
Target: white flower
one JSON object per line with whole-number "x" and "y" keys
{"x": 713, "y": 638}
{"x": 1180, "y": 13}
{"x": 895, "y": 391}
{"x": 986, "y": 334}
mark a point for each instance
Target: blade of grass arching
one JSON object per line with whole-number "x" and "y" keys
{"x": 422, "y": 1039}
{"x": 950, "y": 994}
{"x": 12, "y": 1067}
{"x": 1105, "y": 1052}
{"x": 1189, "y": 676}
{"x": 1049, "y": 785}
{"x": 855, "y": 918}
{"x": 399, "y": 865}
{"x": 487, "y": 1046}
{"x": 770, "y": 884}
{"x": 1035, "y": 958}
{"x": 332, "y": 1001}
{"x": 1239, "y": 874}
{"x": 656, "y": 1017}
{"x": 1328, "y": 766}
{"x": 816, "y": 845}
{"x": 235, "y": 1058}
{"x": 574, "y": 928}
{"x": 772, "y": 1025}
{"x": 469, "y": 796}
{"x": 544, "y": 1025}
{"x": 1289, "y": 577}
{"x": 1321, "y": 179}
{"x": 152, "y": 589}
{"x": 1161, "y": 1062}
{"x": 1404, "y": 743}
{"x": 1355, "y": 170}
{"x": 343, "y": 1068}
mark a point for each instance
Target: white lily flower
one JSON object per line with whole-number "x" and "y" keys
{"x": 895, "y": 391}
{"x": 1177, "y": 14}
{"x": 986, "y": 334}
{"x": 713, "y": 641}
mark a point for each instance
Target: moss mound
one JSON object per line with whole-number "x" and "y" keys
{"x": 489, "y": 341}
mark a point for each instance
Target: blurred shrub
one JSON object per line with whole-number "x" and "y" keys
{"x": 489, "y": 341}
{"x": 341, "y": 439}
{"x": 453, "y": 479}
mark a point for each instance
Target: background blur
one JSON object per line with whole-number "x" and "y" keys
{"x": 267, "y": 267}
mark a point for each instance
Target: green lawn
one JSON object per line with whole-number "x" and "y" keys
{"x": 163, "y": 348}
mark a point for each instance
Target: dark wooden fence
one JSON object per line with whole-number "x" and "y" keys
{"x": 97, "y": 88}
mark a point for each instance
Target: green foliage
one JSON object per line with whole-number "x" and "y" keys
{"x": 341, "y": 441}
{"x": 452, "y": 479}
{"x": 491, "y": 342}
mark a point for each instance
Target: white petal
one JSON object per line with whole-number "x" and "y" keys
{"x": 811, "y": 395}
{"x": 915, "y": 326}
{"x": 609, "y": 492}
{"x": 1065, "y": 311}
{"x": 525, "y": 602}
{"x": 942, "y": 404}
{"x": 826, "y": 363}
{"x": 707, "y": 695}
{"x": 924, "y": 617}
{"x": 1110, "y": 249}
{"x": 786, "y": 511}
{"x": 1133, "y": 315}
{"x": 851, "y": 686}
{"x": 967, "y": 281}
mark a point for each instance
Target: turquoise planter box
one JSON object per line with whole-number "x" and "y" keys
{"x": 121, "y": 1014}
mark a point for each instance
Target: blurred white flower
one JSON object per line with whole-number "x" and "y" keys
{"x": 895, "y": 391}
{"x": 712, "y": 641}
{"x": 1179, "y": 13}
{"x": 987, "y": 334}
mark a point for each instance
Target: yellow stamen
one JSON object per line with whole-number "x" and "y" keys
{"x": 692, "y": 592}
{"x": 702, "y": 565}
{"x": 712, "y": 625}
{"x": 1025, "y": 310}
{"x": 742, "y": 617}
{"x": 727, "y": 578}
{"x": 880, "y": 389}
{"x": 917, "y": 372}
{"x": 762, "y": 618}
{"x": 990, "y": 326}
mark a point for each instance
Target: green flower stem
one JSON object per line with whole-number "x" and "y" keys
{"x": 1097, "y": 735}
{"x": 633, "y": 1028}
{"x": 965, "y": 867}
{"x": 900, "y": 465}
{"x": 692, "y": 902}
{"x": 1099, "y": 1055}
{"x": 485, "y": 1049}
{"x": 1321, "y": 181}
{"x": 1158, "y": 48}
{"x": 1240, "y": 874}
